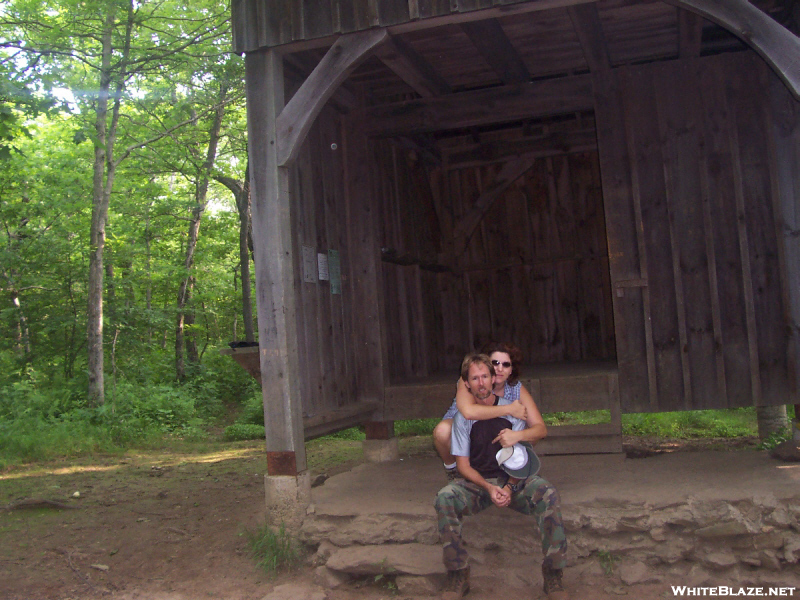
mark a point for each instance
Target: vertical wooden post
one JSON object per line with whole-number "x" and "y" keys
{"x": 272, "y": 245}
{"x": 366, "y": 285}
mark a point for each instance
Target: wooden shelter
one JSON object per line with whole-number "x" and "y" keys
{"x": 613, "y": 185}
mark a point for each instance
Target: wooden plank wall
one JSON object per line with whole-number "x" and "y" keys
{"x": 536, "y": 270}
{"x": 409, "y": 228}
{"x": 695, "y": 260}
{"x": 534, "y": 273}
{"x": 327, "y": 351}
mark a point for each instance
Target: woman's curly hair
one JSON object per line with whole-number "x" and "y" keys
{"x": 513, "y": 352}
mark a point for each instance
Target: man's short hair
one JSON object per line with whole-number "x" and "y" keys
{"x": 472, "y": 359}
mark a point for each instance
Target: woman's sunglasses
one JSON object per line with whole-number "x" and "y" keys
{"x": 505, "y": 365}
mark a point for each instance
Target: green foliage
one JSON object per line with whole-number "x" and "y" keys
{"x": 274, "y": 551}
{"x": 692, "y": 424}
{"x": 243, "y": 431}
{"x": 415, "y": 427}
{"x": 355, "y": 434}
{"x": 586, "y": 417}
{"x": 252, "y": 412}
{"x": 607, "y": 561}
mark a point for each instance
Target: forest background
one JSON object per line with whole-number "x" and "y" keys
{"x": 124, "y": 261}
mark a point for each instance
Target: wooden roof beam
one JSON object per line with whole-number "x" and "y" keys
{"x": 297, "y": 117}
{"x": 502, "y": 104}
{"x": 586, "y": 21}
{"x": 497, "y": 50}
{"x": 412, "y": 68}
{"x": 344, "y": 98}
{"x": 776, "y": 44}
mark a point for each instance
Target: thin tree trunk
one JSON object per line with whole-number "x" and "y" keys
{"x": 102, "y": 184}
{"x": 201, "y": 194}
{"x": 241, "y": 193}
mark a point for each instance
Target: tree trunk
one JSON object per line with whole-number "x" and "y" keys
{"x": 201, "y": 195}
{"x": 94, "y": 327}
{"x": 771, "y": 420}
{"x": 102, "y": 183}
{"x": 241, "y": 193}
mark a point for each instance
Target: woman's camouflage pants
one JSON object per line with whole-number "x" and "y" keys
{"x": 538, "y": 498}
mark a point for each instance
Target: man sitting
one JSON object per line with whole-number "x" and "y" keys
{"x": 476, "y": 446}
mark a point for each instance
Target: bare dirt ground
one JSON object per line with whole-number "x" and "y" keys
{"x": 173, "y": 527}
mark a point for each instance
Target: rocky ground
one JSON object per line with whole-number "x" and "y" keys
{"x": 175, "y": 527}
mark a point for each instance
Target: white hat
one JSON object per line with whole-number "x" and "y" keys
{"x": 519, "y": 460}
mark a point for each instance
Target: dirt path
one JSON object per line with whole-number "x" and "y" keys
{"x": 171, "y": 527}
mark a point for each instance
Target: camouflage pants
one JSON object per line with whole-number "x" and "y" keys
{"x": 538, "y": 498}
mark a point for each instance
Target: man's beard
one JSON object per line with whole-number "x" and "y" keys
{"x": 484, "y": 397}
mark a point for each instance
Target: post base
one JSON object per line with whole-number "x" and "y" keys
{"x": 288, "y": 497}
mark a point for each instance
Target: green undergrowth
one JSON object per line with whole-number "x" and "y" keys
{"x": 274, "y": 550}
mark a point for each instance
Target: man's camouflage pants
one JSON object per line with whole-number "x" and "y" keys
{"x": 538, "y": 498}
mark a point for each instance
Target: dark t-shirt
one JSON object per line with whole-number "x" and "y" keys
{"x": 482, "y": 452}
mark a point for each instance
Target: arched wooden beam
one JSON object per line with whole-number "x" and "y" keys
{"x": 776, "y": 44}
{"x": 299, "y": 114}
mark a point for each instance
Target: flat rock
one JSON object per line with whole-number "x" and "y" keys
{"x": 788, "y": 451}
{"x": 295, "y": 591}
{"x": 419, "y": 585}
{"x": 632, "y": 573}
{"x": 407, "y": 559}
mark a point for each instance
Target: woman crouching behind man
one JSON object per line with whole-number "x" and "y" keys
{"x": 506, "y": 359}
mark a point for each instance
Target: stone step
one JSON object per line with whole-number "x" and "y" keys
{"x": 761, "y": 532}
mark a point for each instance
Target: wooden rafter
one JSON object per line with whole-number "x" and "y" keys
{"x": 497, "y": 50}
{"x": 564, "y": 95}
{"x": 344, "y": 98}
{"x": 586, "y": 21}
{"x": 409, "y": 66}
{"x": 511, "y": 171}
{"x": 776, "y": 44}
{"x": 299, "y": 114}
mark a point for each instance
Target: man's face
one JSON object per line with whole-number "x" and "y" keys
{"x": 480, "y": 381}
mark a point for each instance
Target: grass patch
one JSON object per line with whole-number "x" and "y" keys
{"x": 585, "y": 417}
{"x": 243, "y": 431}
{"x": 735, "y": 422}
{"x": 274, "y": 551}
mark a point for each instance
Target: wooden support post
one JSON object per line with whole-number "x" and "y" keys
{"x": 379, "y": 430}
{"x": 272, "y": 245}
{"x": 365, "y": 256}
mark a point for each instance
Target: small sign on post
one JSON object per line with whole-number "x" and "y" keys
{"x": 309, "y": 264}
{"x": 322, "y": 266}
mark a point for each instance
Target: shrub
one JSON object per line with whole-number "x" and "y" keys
{"x": 243, "y": 431}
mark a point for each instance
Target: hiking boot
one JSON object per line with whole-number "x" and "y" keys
{"x": 457, "y": 584}
{"x": 553, "y": 587}
{"x": 452, "y": 474}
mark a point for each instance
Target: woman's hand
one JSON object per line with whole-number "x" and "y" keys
{"x": 507, "y": 438}
{"x": 517, "y": 409}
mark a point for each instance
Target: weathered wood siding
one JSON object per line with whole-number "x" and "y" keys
{"x": 324, "y": 320}
{"x": 688, "y": 173}
{"x": 260, "y": 23}
{"x": 409, "y": 227}
{"x": 536, "y": 270}
{"x": 534, "y": 273}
